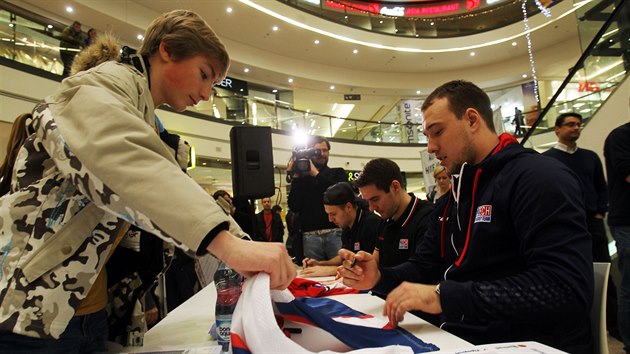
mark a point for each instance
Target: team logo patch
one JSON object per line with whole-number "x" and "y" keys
{"x": 403, "y": 244}
{"x": 484, "y": 213}
{"x": 357, "y": 246}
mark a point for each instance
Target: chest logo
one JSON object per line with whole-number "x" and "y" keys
{"x": 403, "y": 244}
{"x": 357, "y": 246}
{"x": 484, "y": 213}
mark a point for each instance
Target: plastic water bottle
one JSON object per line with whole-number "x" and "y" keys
{"x": 228, "y": 284}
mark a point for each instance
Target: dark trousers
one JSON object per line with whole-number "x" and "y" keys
{"x": 601, "y": 254}
{"x": 84, "y": 334}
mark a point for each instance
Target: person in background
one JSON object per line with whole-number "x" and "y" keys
{"x": 321, "y": 239}
{"x": 70, "y": 43}
{"x": 406, "y": 216}
{"x": 360, "y": 227}
{"x": 269, "y": 227}
{"x": 75, "y": 171}
{"x": 617, "y": 155}
{"x": 20, "y": 130}
{"x": 588, "y": 167}
{"x": 90, "y": 38}
{"x": 224, "y": 199}
{"x": 442, "y": 183}
{"x": 507, "y": 256}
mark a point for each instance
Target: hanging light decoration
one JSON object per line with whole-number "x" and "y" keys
{"x": 545, "y": 11}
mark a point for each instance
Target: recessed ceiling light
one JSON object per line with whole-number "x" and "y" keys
{"x": 290, "y": 80}
{"x": 513, "y": 44}
{"x": 229, "y": 10}
{"x": 275, "y": 28}
{"x": 332, "y": 87}
{"x": 418, "y": 92}
{"x": 381, "y": 21}
{"x": 69, "y": 9}
{"x": 472, "y": 54}
{"x": 346, "y": 17}
{"x": 246, "y": 70}
{"x": 524, "y": 75}
{"x": 140, "y": 37}
{"x": 274, "y": 91}
{"x": 50, "y": 26}
{"x": 355, "y": 51}
{"x": 316, "y": 41}
{"x": 417, "y": 35}
{"x": 432, "y": 23}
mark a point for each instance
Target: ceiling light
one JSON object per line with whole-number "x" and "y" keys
{"x": 11, "y": 25}
{"x": 346, "y": 17}
{"x": 381, "y": 21}
{"x": 472, "y": 54}
{"x": 316, "y": 41}
{"x": 275, "y": 28}
{"x": 290, "y": 80}
{"x": 246, "y": 70}
{"x": 432, "y": 23}
{"x": 50, "y": 26}
{"x": 332, "y": 87}
{"x": 69, "y": 9}
{"x": 417, "y": 35}
{"x": 355, "y": 51}
{"x": 513, "y": 44}
{"x": 524, "y": 75}
{"x": 140, "y": 37}
{"x": 274, "y": 91}
{"x": 229, "y": 10}
{"x": 418, "y": 92}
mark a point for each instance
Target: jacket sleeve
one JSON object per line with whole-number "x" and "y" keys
{"x": 98, "y": 138}
{"x": 600, "y": 186}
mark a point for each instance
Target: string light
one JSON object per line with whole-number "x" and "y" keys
{"x": 530, "y": 53}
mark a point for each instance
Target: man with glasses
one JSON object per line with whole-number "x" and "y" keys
{"x": 588, "y": 167}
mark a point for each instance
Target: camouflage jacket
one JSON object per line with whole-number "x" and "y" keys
{"x": 93, "y": 162}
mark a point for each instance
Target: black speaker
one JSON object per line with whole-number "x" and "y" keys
{"x": 252, "y": 162}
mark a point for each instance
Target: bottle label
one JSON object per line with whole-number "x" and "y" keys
{"x": 224, "y": 323}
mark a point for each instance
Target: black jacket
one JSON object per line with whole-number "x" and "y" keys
{"x": 306, "y": 197}
{"x": 277, "y": 229}
{"x": 523, "y": 269}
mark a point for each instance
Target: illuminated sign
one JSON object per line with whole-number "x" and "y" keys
{"x": 403, "y": 11}
{"x": 588, "y": 86}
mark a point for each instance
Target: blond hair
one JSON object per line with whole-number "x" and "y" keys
{"x": 439, "y": 169}
{"x": 184, "y": 34}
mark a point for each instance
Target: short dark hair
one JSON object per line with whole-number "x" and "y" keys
{"x": 318, "y": 140}
{"x": 462, "y": 95}
{"x": 340, "y": 193}
{"x": 220, "y": 193}
{"x": 381, "y": 173}
{"x": 563, "y": 116}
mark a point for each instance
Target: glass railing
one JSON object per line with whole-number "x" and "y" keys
{"x": 605, "y": 62}
{"x": 420, "y": 19}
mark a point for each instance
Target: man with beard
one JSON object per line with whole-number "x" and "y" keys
{"x": 321, "y": 238}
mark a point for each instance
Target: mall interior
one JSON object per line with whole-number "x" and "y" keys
{"x": 353, "y": 71}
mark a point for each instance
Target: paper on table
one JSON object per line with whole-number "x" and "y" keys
{"x": 215, "y": 349}
{"x": 503, "y": 348}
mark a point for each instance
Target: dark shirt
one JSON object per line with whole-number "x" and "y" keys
{"x": 362, "y": 235}
{"x": 401, "y": 237}
{"x": 588, "y": 167}
{"x": 617, "y": 154}
{"x": 306, "y": 197}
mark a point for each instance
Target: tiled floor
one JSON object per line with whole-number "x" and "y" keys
{"x": 615, "y": 346}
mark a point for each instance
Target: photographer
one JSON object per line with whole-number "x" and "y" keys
{"x": 308, "y": 169}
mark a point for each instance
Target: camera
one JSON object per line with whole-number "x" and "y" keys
{"x": 302, "y": 161}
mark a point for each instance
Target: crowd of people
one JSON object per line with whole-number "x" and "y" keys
{"x": 483, "y": 258}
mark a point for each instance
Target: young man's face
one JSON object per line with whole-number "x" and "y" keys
{"x": 339, "y": 214}
{"x": 449, "y": 137}
{"x": 385, "y": 204}
{"x": 187, "y": 81}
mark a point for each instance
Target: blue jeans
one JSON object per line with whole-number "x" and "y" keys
{"x": 84, "y": 334}
{"x": 621, "y": 234}
{"x": 322, "y": 245}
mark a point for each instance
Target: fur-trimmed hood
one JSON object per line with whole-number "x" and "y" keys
{"x": 105, "y": 48}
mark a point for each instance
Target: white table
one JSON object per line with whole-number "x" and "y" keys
{"x": 187, "y": 326}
